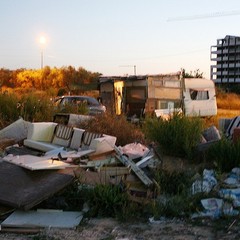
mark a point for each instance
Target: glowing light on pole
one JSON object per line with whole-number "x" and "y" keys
{"x": 42, "y": 41}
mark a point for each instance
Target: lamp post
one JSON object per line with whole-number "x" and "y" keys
{"x": 42, "y": 41}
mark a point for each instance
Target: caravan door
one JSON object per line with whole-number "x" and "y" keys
{"x": 199, "y": 97}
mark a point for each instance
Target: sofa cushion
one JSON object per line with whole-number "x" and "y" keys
{"x": 62, "y": 135}
{"x": 41, "y": 131}
{"x": 41, "y": 146}
{"x": 76, "y": 138}
{"x": 87, "y": 138}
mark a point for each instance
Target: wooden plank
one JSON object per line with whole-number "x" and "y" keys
{"x": 114, "y": 171}
{"x": 138, "y": 171}
{"x": 94, "y": 178}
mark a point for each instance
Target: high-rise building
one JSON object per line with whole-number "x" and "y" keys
{"x": 226, "y": 55}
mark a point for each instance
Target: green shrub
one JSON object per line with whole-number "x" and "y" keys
{"x": 36, "y": 108}
{"x": 177, "y": 206}
{"x": 173, "y": 183}
{"x": 31, "y": 107}
{"x": 107, "y": 200}
{"x": 177, "y": 136}
{"x": 9, "y": 106}
{"x": 224, "y": 154}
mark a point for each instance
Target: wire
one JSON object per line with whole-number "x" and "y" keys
{"x": 202, "y": 16}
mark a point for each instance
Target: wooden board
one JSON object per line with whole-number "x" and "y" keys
{"x": 24, "y": 189}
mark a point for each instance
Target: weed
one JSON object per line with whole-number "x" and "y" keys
{"x": 173, "y": 183}
{"x": 36, "y": 108}
{"x": 228, "y": 100}
{"x": 107, "y": 200}
{"x": 178, "y": 136}
{"x": 9, "y": 108}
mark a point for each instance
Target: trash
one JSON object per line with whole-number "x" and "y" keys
{"x": 134, "y": 150}
{"x": 233, "y": 179}
{"x": 231, "y": 194}
{"x": 212, "y": 208}
{"x": 138, "y": 171}
{"x": 206, "y": 184}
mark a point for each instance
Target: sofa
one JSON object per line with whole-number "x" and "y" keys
{"x": 48, "y": 136}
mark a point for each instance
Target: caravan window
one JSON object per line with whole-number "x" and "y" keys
{"x": 197, "y": 94}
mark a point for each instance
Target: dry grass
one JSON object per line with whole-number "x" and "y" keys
{"x": 228, "y": 107}
{"x": 228, "y": 101}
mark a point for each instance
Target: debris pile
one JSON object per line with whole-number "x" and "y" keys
{"x": 45, "y": 158}
{"x": 38, "y": 160}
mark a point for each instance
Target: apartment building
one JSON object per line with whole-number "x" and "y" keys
{"x": 226, "y": 55}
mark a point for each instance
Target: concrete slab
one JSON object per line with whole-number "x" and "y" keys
{"x": 43, "y": 218}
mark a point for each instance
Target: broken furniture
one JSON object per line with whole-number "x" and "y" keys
{"x": 48, "y": 136}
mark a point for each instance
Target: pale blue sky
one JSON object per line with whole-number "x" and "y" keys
{"x": 111, "y": 36}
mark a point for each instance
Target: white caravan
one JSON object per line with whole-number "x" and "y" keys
{"x": 199, "y": 97}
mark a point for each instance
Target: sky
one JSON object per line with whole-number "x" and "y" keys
{"x": 113, "y": 36}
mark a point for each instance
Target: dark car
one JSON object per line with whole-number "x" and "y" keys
{"x": 93, "y": 106}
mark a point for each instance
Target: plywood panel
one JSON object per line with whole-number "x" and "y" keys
{"x": 164, "y": 93}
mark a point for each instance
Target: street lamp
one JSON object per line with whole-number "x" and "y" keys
{"x": 42, "y": 41}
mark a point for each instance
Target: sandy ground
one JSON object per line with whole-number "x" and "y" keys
{"x": 109, "y": 229}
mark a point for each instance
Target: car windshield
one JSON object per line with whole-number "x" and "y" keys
{"x": 78, "y": 100}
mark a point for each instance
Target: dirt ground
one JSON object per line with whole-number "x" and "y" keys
{"x": 107, "y": 229}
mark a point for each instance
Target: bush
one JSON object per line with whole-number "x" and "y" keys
{"x": 107, "y": 200}
{"x": 36, "y": 108}
{"x": 31, "y": 107}
{"x": 178, "y": 136}
{"x": 173, "y": 183}
{"x": 10, "y": 110}
{"x": 224, "y": 154}
{"x": 118, "y": 126}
